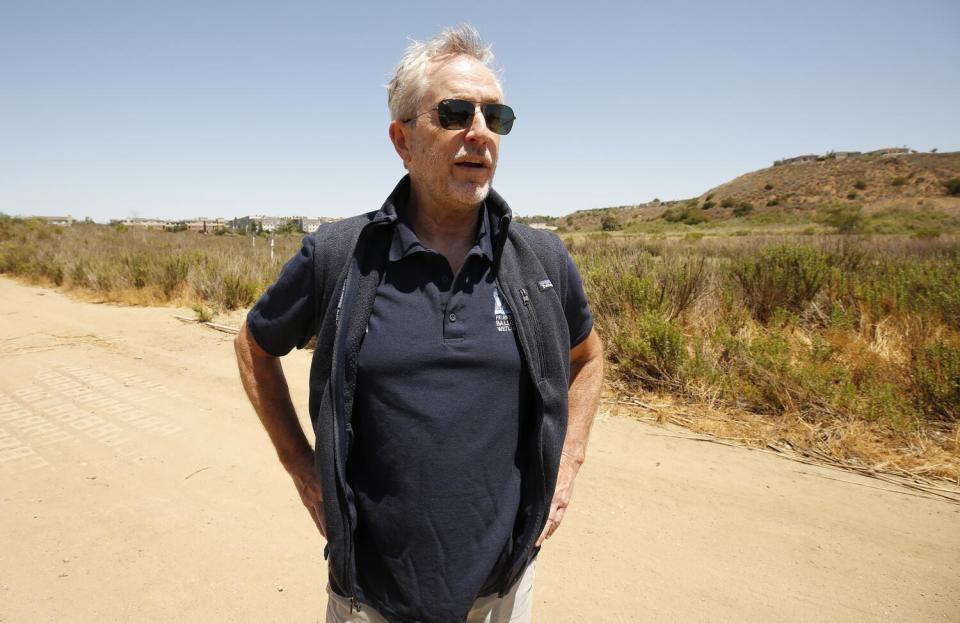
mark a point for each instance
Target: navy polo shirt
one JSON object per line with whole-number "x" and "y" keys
{"x": 442, "y": 409}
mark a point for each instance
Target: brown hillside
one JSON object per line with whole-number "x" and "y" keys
{"x": 877, "y": 184}
{"x": 871, "y": 181}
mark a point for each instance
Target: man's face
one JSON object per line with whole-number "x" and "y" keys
{"x": 454, "y": 168}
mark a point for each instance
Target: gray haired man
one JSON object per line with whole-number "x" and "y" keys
{"x": 456, "y": 369}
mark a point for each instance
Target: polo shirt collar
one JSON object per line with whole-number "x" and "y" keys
{"x": 405, "y": 242}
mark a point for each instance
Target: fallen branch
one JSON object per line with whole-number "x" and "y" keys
{"x": 212, "y": 325}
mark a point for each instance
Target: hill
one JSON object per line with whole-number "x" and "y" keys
{"x": 798, "y": 192}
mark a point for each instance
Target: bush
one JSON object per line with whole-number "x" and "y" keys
{"x": 936, "y": 380}
{"x": 686, "y": 214}
{"x": 708, "y": 205}
{"x": 846, "y": 219}
{"x": 898, "y": 181}
{"x": 728, "y": 202}
{"x": 953, "y": 186}
{"x": 610, "y": 223}
{"x": 859, "y": 184}
{"x": 768, "y": 186}
{"x": 852, "y": 195}
{"x": 743, "y": 209}
{"x": 773, "y": 202}
{"x": 651, "y": 350}
{"x": 781, "y": 277}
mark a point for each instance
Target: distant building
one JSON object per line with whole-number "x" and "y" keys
{"x": 797, "y": 160}
{"x": 142, "y": 223}
{"x": 247, "y": 224}
{"x": 843, "y": 155}
{"x": 310, "y": 224}
{"x": 204, "y": 225}
{"x": 261, "y": 223}
{"x": 889, "y": 151}
{"x": 62, "y": 221}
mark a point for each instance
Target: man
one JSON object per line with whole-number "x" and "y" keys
{"x": 456, "y": 370}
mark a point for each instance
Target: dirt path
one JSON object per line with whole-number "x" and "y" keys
{"x": 136, "y": 484}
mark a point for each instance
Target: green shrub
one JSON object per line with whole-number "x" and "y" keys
{"x": 773, "y": 202}
{"x": 852, "y": 195}
{"x": 744, "y": 208}
{"x": 925, "y": 233}
{"x": 860, "y": 184}
{"x": 686, "y": 214}
{"x": 953, "y": 186}
{"x": 936, "y": 380}
{"x": 898, "y": 181}
{"x": 780, "y": 277}
{"x": 727, "y": 202}
{"x": 845, "y": 219}
{"x": 173, "y": 274}
{"x": 610, "y": 223}
{"x": 650, "y": 350}
{"x": 708, "y": 205}
{"x": 768, "y": 186}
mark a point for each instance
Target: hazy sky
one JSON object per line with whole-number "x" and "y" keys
{"x": 179, "y": 109}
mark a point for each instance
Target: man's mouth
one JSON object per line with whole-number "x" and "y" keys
{"x": 471, "y": 164}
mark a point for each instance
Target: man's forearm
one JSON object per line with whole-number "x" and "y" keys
{"x": 586, "y": 382}
{"x": 263, "y": 379}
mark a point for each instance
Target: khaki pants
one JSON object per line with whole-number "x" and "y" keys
{"x": 516, "y": 606}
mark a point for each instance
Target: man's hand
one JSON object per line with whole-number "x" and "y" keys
{"x": 311, "y": 492}
{"x": 263, "y": 380}
{"x": 561, "y": 496}
{"x": 586, "y": 378}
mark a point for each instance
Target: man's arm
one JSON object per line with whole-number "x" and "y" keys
{"x": 586, "y": 381}
{"x": 266, "y": 387}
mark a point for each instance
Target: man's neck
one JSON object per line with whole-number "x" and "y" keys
{"x": 448, "y": 230}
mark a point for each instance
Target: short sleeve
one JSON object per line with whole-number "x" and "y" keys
{"x": 285, "y": 315}
{"x": 575, "y": 307}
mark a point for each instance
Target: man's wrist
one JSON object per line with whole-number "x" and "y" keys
{"x": 298, "y": 461}
{"x": 576, "y": 460}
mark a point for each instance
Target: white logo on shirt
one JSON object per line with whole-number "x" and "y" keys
{"x": 501, "y": 313}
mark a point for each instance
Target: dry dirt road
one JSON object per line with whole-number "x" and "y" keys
{"x": 136, "y": 484}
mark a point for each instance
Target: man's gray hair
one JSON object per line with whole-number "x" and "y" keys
{"x": 409, "y": 82}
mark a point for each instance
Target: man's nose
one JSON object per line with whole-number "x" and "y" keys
{"x": 478, "y": 130}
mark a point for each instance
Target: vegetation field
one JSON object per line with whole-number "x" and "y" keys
{"x": 848, "y": 345}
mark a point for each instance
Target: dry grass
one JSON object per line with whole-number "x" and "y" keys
{"x": 841, "y": 347}
{"x": 844, "y": 348}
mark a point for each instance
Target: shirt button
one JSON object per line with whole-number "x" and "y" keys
{"x": 453, "y": 317}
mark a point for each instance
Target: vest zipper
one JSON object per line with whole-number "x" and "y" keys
{"x": 339, "y": 468}
{"x": 527, "y": 548}
{"x": 525, "y": 297}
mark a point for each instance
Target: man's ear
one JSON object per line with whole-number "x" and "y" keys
{"x": 400, "y": 137}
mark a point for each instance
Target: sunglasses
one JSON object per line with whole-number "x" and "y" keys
{"x": 457, "y": 114}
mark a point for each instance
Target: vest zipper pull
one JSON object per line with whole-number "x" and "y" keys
{"x": 524, "y": 297}
{"x": 354, "y": 603}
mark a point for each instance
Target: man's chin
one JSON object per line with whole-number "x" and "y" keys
{"x": 471, "y": 193}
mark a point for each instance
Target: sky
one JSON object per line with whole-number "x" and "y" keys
{"x": 176, "y": 109}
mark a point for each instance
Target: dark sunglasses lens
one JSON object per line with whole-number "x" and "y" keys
{"x": 499, "y": 117}
{"x": 455, "y": 114}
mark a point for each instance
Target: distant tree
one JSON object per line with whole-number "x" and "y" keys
{"x": 289, "y": 226}
{"x": 845, "y": 219}
{"x": 953, "y": 186}
{"x": 610, "y": 223}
